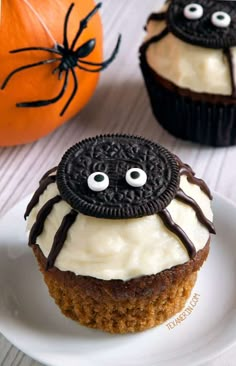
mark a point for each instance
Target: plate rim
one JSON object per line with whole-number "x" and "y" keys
{"x": 35, "y": 356}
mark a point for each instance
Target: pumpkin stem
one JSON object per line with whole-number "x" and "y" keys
{"x": 39, "y": 19}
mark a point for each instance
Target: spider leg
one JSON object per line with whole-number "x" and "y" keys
{"x": 55, "y": 70}
{"x": 89, "y": 70}
{"x": 41, "y": 103}
{"x": 27, "y": 67}
{"x": 60, "y": 74}
{"x": 65, "y": 39}
{"x": 60, "y": 71}
{"x": 51, "y": 50}
{"x": 73, "y": 92}
{"x": 104, "y": 64}
{"x": 157, "y": 16}
{"x": 154, "y": 39}
{"x": 230, "y": 58}
{"x": 84, "y": 23}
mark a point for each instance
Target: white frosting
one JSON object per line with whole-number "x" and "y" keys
{"x": 123, "y": 249}
{"x": 187, "y": 66}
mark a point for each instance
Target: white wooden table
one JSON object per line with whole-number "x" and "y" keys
{"x": 120, "y": 104}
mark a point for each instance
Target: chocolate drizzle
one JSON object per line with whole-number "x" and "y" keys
{"x": 157, "y": 16}
{"x": 60, "y": 237}
{"x": 229, "y": 55}
{"x": 153, "y": 39}
{"x": 199, "y": 182}
{"x": 185, "y": 169}
{"x": 42, "y": 215}
{"x": 183, "y": 197}
{"x": 176, "y": 229}
{"x": 49, "y": 172}
{"x": 35, "y": 199}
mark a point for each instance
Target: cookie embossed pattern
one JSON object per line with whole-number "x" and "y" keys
{"x": 87, "y": 222}
{"x": 194, "y": 97}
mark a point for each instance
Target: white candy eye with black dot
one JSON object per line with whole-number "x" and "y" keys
{"x": 98, "y": 181}
{"x": 221, "y": 19}
{"x": 193, "y": 11}
{"x": 136, "y": 177}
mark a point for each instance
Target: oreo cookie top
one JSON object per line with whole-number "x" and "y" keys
{"x": 118, "y": 176}
{"x": 206, "y": 23}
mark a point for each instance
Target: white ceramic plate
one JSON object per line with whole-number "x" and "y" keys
{"x": 32, "y": 322}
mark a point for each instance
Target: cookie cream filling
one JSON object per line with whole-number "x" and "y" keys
{"x": 202, "y": 70}
{"x": 124, "y": 248}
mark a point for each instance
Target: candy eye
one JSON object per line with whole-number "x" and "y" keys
{"x": 193, "y": 11}
{"x": 136, "y": 177}
{"x": 98, "y": 181}
{"x": 220, "y": 19}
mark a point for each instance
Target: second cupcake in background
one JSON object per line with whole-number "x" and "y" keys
{"x": 188, "y": 62}
{"x": 120, "y": 229}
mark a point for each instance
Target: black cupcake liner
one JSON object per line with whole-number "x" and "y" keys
{"x": 212, "y": 124}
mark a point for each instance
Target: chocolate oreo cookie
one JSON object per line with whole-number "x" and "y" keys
{"x": 118, "y": 176}
{"x": 206, "y": 23}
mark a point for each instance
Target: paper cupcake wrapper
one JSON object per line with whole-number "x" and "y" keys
{"x": 203, "y": 122}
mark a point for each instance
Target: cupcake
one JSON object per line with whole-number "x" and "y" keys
{"x": 188, "y": 63}
{"x": 120, "y": 229}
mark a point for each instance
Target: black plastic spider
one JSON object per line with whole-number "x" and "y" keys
{"x": 70, "y": 58}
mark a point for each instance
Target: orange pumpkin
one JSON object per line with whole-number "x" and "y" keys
{"x": 29, "y": 23}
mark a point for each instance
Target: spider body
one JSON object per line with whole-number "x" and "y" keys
{"x": 69, "y": 57}
{"x": 196, "y": 22}
{"x": 117, "y": 177}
